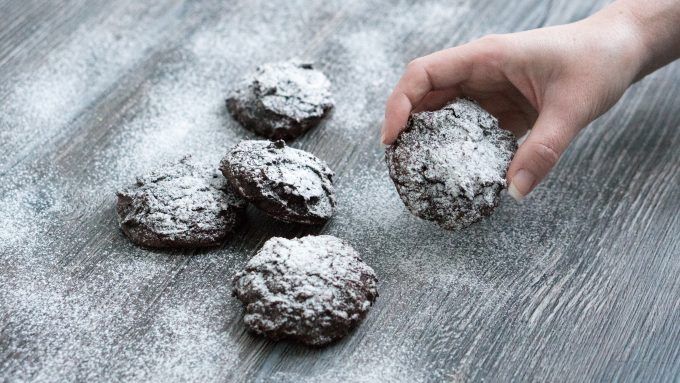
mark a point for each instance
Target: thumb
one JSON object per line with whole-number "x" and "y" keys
{"x": 548, "y": 139}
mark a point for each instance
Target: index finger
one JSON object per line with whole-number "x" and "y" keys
{"x": 439, "y": 70}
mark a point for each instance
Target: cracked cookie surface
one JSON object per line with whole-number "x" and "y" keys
{"x": 449, "y": 165}
{"x": 281, "y": 100}
{"x": 288, "y": 184}
{"x": 313, "y": 289}
{"x": 179, "y": 205}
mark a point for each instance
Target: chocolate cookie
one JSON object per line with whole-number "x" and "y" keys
{"x": 288, "y": 184}
{"x": 449, "y": 165}
{"x": 313, "y": 289}
{"x": 179, "y": 205}
{"x": 281, "y": 100}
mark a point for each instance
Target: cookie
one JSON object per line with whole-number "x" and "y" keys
{"x": 449, "y": 165}
{"x": 281, "y": 100}
{"x": 290, "y": 185}
{"x": 179, "y": 205}
{"x": 313, "y": 289}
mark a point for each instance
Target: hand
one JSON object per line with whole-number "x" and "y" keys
{"x": 552, "y": 81}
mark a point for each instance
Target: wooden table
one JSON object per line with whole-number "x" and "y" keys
{"x": 577, "y": 283}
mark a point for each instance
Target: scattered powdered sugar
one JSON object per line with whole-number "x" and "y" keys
{"x": 313, "y": 289}
{"x": 40, "y": 103}
{"x": 449, "y": 165}
{"x": 183, "y": 105}
{"x": 366, "y": 57}
{"x": 79, "y": 302}
{"x": 16, "y": 223}
{"x": 69, "y": 328}
{"x": 181, "y": 204}
{"x": 287, "y": 183}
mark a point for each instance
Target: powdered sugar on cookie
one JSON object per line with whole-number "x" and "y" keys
{"x": 289, "y": 184}
{"x": 313, "y": 289}
{"x": 449, "y": 165}
{"x": 181, "y": 204}
{"x": 282, "y": 99}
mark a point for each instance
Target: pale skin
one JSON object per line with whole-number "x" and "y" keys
{"x": 551, "y": 82}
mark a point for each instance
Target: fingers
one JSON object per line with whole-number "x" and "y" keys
{"x": 548, "y": 139}
{"x": 436, "y": 99}
{"x": 440, "y": 70}
{"x": 515, "y": 122}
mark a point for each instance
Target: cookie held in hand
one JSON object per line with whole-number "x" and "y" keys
{"x": 313, "y": 289}
{"x": 449, "y": 165}
{"x": 288, "y": 184}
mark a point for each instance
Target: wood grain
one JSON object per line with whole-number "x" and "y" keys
{"x": 576, "y": 283}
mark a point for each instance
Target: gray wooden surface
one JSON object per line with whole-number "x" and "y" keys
{"x": 577, "y": 283}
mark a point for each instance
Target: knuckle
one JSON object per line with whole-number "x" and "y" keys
{"x": 415, "y": 65}
{"x": 493, "y": 49}
{"x": 493, "y": 38}
{"x": 548, "y": 152}
{"x": 494, "y": 42}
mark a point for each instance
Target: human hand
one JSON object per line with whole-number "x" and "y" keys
{"x": 553, "y": 81}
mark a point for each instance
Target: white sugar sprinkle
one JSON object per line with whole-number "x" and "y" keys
{"x": 80, "y": 303}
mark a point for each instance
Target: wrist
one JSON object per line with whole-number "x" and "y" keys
{"x": 655, "y": 27}
{"x": 627, "y": 37}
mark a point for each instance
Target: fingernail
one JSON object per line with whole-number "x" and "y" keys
{"x": 514, "y": 193}
{"x": 521, "y": 184}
